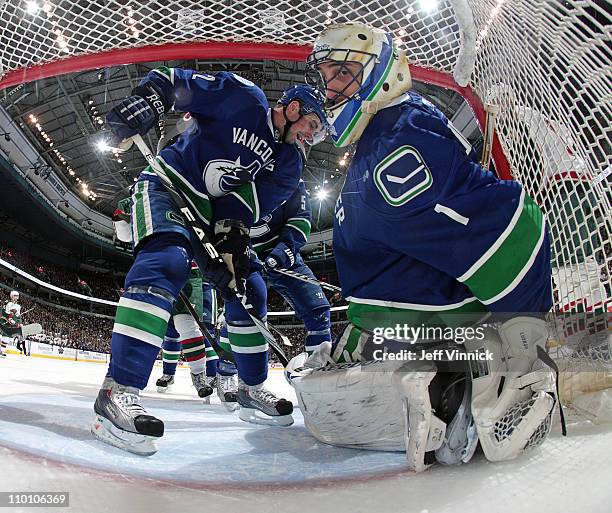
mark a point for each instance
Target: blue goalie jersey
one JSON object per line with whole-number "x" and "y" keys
{"x": 421, "y": 227}
{"x": 230, "y": 154}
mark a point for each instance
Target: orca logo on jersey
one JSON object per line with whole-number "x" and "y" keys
{"x": 402, "y": 175}
{"x": 222, "y": 176}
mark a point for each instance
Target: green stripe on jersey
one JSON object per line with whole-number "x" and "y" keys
{"x": 369, "y": 316}
{"x": 211, "y": 354}
{"x": 512, "y": 258}
{"x": 302, "y": 225}
{"x": 247, "y": 194}
{"x": 142, "y": 211}
{"x": 264, "y": 247}
{"x": 225, "y": 345}
{"x": 197, "y": 199}
{"x": 165, "y": 72}
{"x": 140, "y": 320}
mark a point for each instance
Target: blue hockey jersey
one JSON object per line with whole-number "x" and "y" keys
{"x": 289, "y": 223}
{"x": 229, "y": 154}
{"x": 421, "y": 228}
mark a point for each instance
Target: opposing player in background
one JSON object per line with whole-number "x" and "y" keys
{"x": 10, "y": 319}
{"x": 238, "y": 161}
{"x": 422, "y": 236}
{"x": 277, "y": 240}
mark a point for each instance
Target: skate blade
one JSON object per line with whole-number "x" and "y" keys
{"x": 135, "y": 443}
{"x": 163, "y": 390}
{"x": 255, "y": 416}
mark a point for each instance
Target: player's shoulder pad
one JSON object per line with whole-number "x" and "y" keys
{"x": 406, "y": 157}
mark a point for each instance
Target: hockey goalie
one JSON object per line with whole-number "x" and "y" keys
{"x": 424, "y": 236}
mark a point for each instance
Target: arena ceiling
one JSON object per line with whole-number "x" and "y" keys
{"x": 63, "y": 117}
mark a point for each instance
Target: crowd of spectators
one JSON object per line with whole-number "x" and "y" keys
{"x": 79, "y": 329}
{"x": 76, "y": 329}
{"x": 100, "y": 285}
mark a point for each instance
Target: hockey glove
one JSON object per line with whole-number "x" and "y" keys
{"x": 217, "y": 274}
{"x": 137, "y": 113}
{"x": 232, "y": 242}
{"x": 281, "y": 257}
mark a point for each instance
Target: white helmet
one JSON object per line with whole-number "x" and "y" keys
{"x": 385, "y": 75}
{"x": 14, "y": 295}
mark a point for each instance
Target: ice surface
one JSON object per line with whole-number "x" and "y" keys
{"x": 210, "y": 461}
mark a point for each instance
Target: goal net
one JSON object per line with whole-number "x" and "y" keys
{"x": 544, "y": 63}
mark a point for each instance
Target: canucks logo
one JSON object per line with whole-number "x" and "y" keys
{"x": 402, "y": 175}
{"x": 222, "y": 176}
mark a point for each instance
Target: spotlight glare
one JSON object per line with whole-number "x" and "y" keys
{"x": 321, "y": 195}
{"x": 32, "y": 8}
{"x": 102, "y": 146}
{"x": 428, "y": 6}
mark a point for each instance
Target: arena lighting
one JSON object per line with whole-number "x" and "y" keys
{"x": 322, "y": 194}
{"x": 428, "y": 6}
{"x": 102, "y": 146}
{"x": 32, "y": 8}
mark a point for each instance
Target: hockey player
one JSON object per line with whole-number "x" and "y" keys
{"x": 423, "y": 234}
{"x": 11, "y": 319}
{"x": 182, "y": 328}
{"x": 277, "y": 240}
{"x": 237, "y": 162}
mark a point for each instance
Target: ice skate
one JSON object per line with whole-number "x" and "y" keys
{"x": 260, "y": 406}
{"x": 227, "y": 390}
{"x": 123, "y": 422}
{"x": 164, "y": 384}
{"x": 204, "y": 389}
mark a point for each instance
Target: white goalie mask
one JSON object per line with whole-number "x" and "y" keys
{"x": 381, "y": 76}
{"x": 14, "y": 295}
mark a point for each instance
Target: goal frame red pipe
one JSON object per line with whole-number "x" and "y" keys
{"x": 239, "y": 50}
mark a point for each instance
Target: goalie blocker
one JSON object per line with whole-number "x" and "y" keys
{"x": 431, "y": 410}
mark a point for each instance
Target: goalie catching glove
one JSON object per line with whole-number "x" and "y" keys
{"x": 232, "y": 241}
{"x": 139, "y": 112}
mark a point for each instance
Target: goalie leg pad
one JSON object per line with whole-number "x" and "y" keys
{"x": 513, "y": 399}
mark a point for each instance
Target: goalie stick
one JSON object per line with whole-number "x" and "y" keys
{"x": 206, "y": 250}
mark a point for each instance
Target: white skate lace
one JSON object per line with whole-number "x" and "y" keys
{"x": 263, "y": 395}
{"x": 131, "y": 403}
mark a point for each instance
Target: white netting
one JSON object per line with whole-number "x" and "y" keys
{"x": 546, "y": 63}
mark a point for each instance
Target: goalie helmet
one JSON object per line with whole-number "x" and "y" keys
{"x": 384, "y": 76}
{"x": 14, "y": 295}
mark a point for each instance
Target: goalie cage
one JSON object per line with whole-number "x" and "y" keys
{"x": 545, "y": 65}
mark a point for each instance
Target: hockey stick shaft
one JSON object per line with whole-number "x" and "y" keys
{"x": 308, "y": 279}
{"x": 27, "y": 311}
{"x": 194, "y": 225}
{"x": 213, "y": 341}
